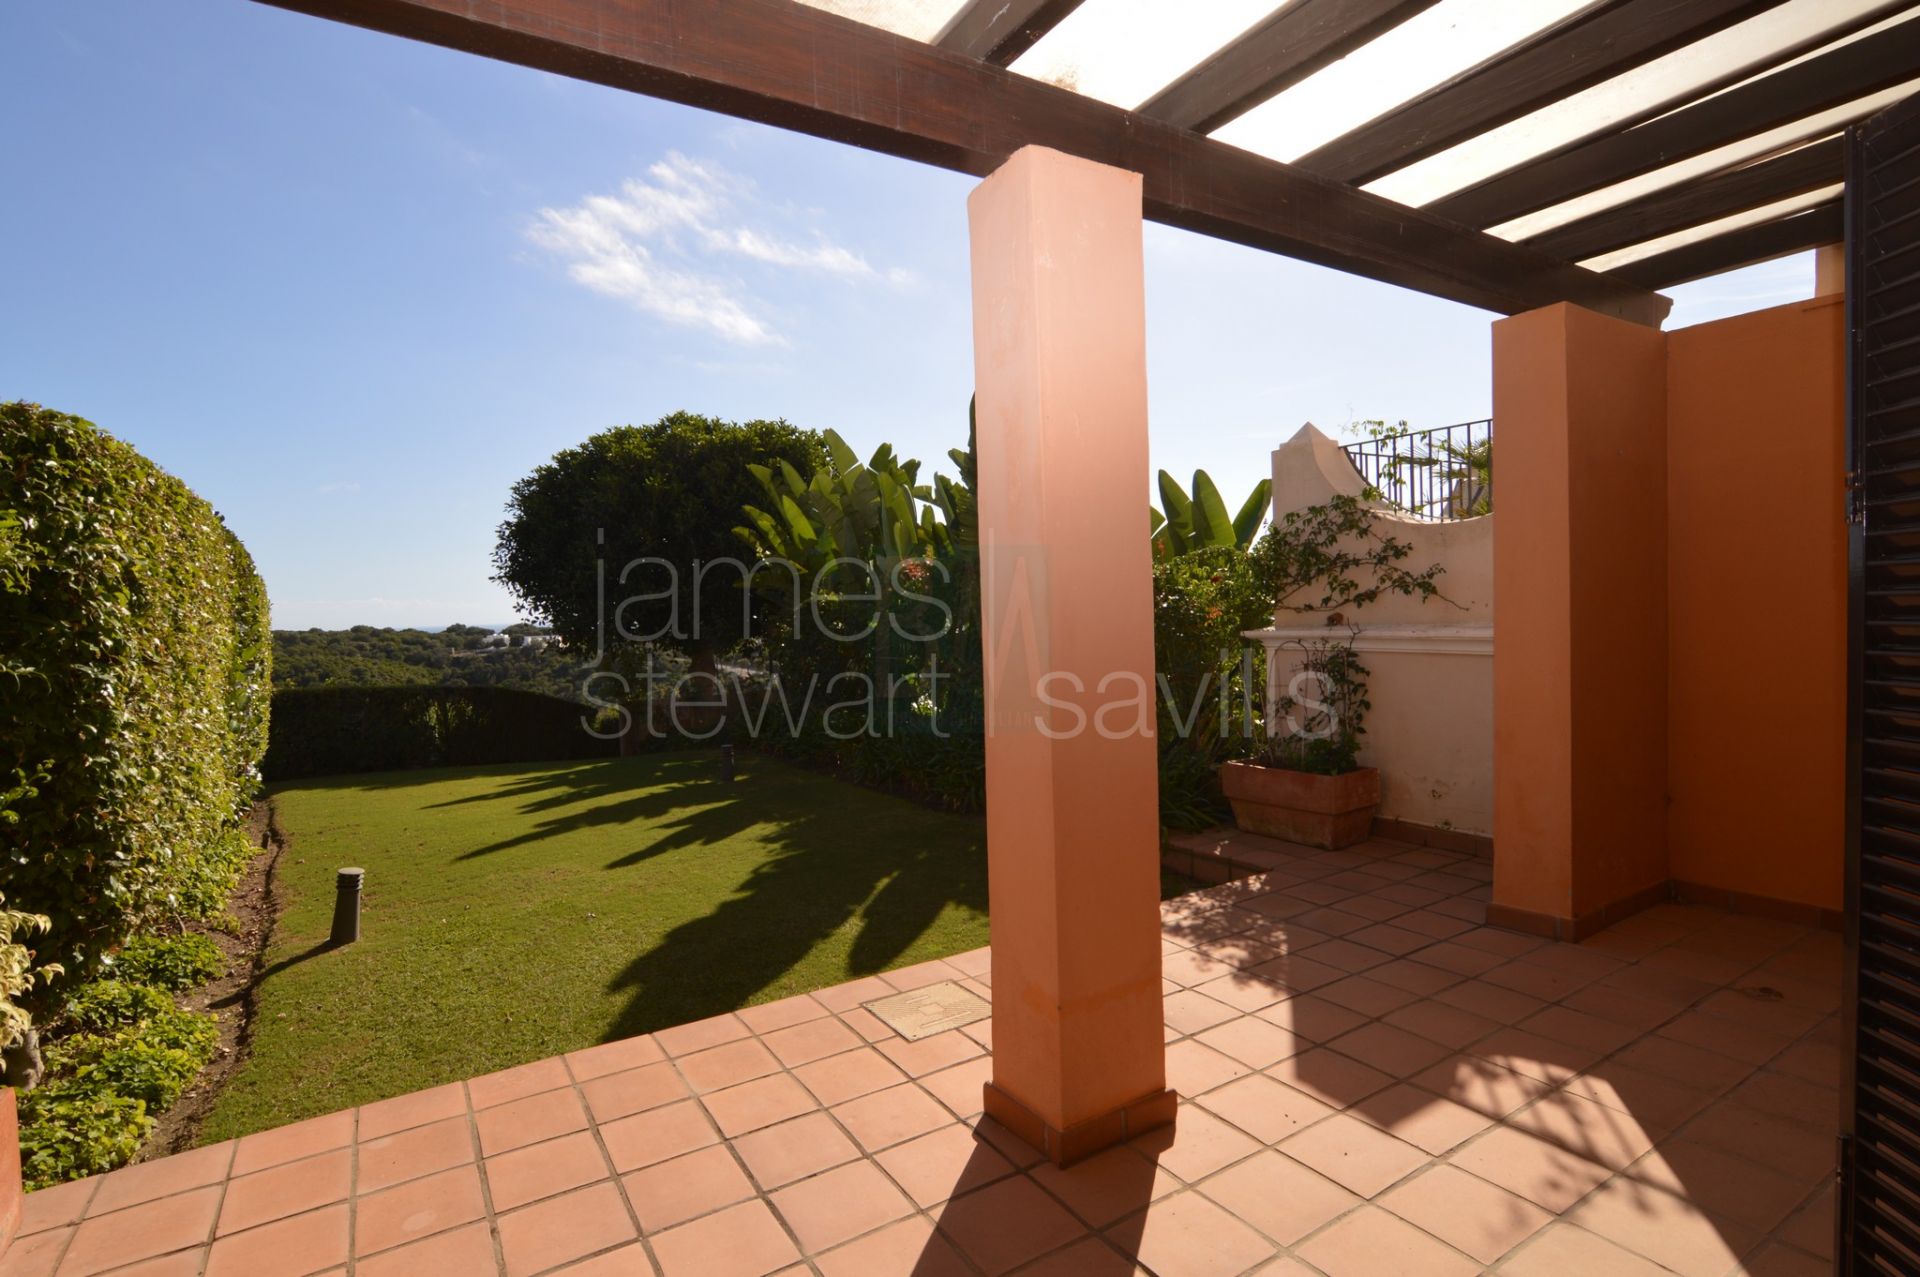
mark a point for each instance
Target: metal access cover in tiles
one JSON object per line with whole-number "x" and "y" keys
{"x": 923, "y": 1012}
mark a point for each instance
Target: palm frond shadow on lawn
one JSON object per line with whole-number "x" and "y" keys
{"x": 517, "y": 912}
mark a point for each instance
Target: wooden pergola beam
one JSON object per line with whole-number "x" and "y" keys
{"x": 1822, "y": 224}
{"x": 1280, "y": 50}
{"x": 1590, "y": 46}
{"x": 797, "y": 67}
{"x": 1698, "y": 202}
{"x": 998, "y": 31}
{"x": 1832, "y": 79}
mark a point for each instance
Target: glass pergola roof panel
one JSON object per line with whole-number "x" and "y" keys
{"x": 1808, "y": 129}
{"x": 1125, "y": 51}
{"x": 1426, "y": 50}
{"x": 916, "y": 19}
{"x": 1672, "y": 79}
{"x": 1709, "y": 230}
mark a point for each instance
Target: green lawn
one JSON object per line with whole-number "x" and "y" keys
{"x": 515, "y": 912}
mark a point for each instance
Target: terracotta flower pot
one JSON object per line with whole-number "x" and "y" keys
{"x": 1304, "y": 807}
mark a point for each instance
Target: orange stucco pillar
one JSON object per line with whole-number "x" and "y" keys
{"x": 1580, "y": 618}
{"x": 1059, "y": 332}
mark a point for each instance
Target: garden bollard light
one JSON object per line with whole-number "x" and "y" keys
{"x": 726, "y": 763}
{"x": 346, "y": 906}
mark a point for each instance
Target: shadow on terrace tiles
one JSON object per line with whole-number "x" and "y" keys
{"x": 1665, "y": 1085}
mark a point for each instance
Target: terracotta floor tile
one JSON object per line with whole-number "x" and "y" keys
{"x": 633, "y": 1090}
{"x": 35, "y": 1255}
{"x": 1668, "y": 1230}
{"x": 929, "y": 1055}
{"x": 1490, "y": 1001}
{"x": 1593, "y": 1131}
{"x": 542, "y": 1170}
{"x": 1564, "y": 1024}
{"x": 614, "y": 1057}
{"x": 686, "y": 1187}
{"x": 657, "y": 1134}
{"x": 423, "y": 1150}
{"x": 961, "y": 1087}
{"x": 719, "y": 1067}
{"x": 521, "y": 1122}
{"x": 1253, "y": 1041}
{"x": 1367, "y": 996}
{"x": 128, "y": 1186}
{"x": 1194, "y": 1068}
{"x": 181, "y": 1263}
{"x": 1684, "y": 1063}
{"x": 1657, "y": 1104}
{"x": 143, "y": 1231}
{"x": 845, "y": 997}
{"x": 517, "y": 1083}
{"x": 404, "y": 1112}
{"x": 1330, "y": 1077}
{"x": 1190, "y": 1236}
{"x": 1811, "y": 1229}
{"x": 906, "y": 1249}
{"x": 1372, "y": 1241}
{"x": 622, "y": 1261}
{"x": 1269, "y": 1111}
{"x": 551, "y": 1232}
{"x": 887, "y": 1117}
{"x": 1543, "y": 1173}
{"x": 422, "y": 1207}
{"x": 1466, "y": 1212}
{"x": 285, "y": 1190}
{"x": 1196, "y": 1145}
{"x": 1786, "y": 1147}
{"x": 1313, "y": 1017}
{"x": 290, "y": 1143}
{"x": 839, "y": 1205}
{"x": 1437, "y": 1022}
{"x": 463, "y": 1252}
{"x": 1394, "y": 1052}
{"x": 1108, "y": 1185}
{"x": 1190, "y": 1012}
{"x": 844, "y": 1077}
{"x": 1006, "y": 1224}
{"x": 1238, "y": 951}
{"x": 815, "y": 1039}
{"x": 771, "y": 1016}
{"x": 1421, "y": 1118}
{"x": 1776, "y": 1260}
{"x": 1244, "y": 992}
{"x": 780, "y": 1154}
{"x": 685, "y": 1039}
{"x": 1460, "y": 956}
{"x": 943, "y": 1164}
{"x": 291, "y": 1247}
{"x": 1299, "y": 973}
{"x": 64, "y": 1203}
{"x": 1480, "y": 1085}
{"x": 1358, "y": 1157}
{"x": 1561, "y": 1250}
{"x": 741, "y": 1241}
{"x": 1279, "y": 1196}
{"x": 758, "y": 1103}
{"x": 1742, "y": 1042}
{"x": 1188, "y": 968}
{"x": 1541, "y": 1058}
{"x": 1721, "y": 1183}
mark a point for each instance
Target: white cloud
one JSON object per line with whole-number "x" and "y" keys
{"x": 652, "y": 245}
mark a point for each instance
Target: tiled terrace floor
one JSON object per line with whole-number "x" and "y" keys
{"x": 1372, "y": 1083}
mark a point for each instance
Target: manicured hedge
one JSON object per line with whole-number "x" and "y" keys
{"x": 134, "y": 666}
{"x": 326, "y": 731}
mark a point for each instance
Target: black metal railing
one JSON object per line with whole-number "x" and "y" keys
{"x": 1432, "y": 474}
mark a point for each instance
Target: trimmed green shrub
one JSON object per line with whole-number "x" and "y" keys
{"x": 77, "y": 1127}
{"x": 170, "y": 962}
{"x": 134, "y": 649}
{"x": 329, "y": 731}
{"x": 110, "y": 1004}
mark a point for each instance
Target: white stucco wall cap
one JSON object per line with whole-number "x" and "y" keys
{"x": 1459, "y": 640}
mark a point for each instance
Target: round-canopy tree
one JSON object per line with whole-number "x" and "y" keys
{"x": 653, "y": 509}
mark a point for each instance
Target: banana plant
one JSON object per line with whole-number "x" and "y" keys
{"x": 1200, "y": 522}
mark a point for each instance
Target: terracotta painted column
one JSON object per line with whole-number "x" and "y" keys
{"x": 1580, "y": 610}
{"x": 1059, "y": 334}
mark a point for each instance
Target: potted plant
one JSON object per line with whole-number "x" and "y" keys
{"x": 1307, "y": 784}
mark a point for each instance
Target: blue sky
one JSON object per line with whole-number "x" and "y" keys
{"x": 350, "y": 288}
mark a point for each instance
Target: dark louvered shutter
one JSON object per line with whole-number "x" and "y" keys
{"x": 1879, "y": 1221}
